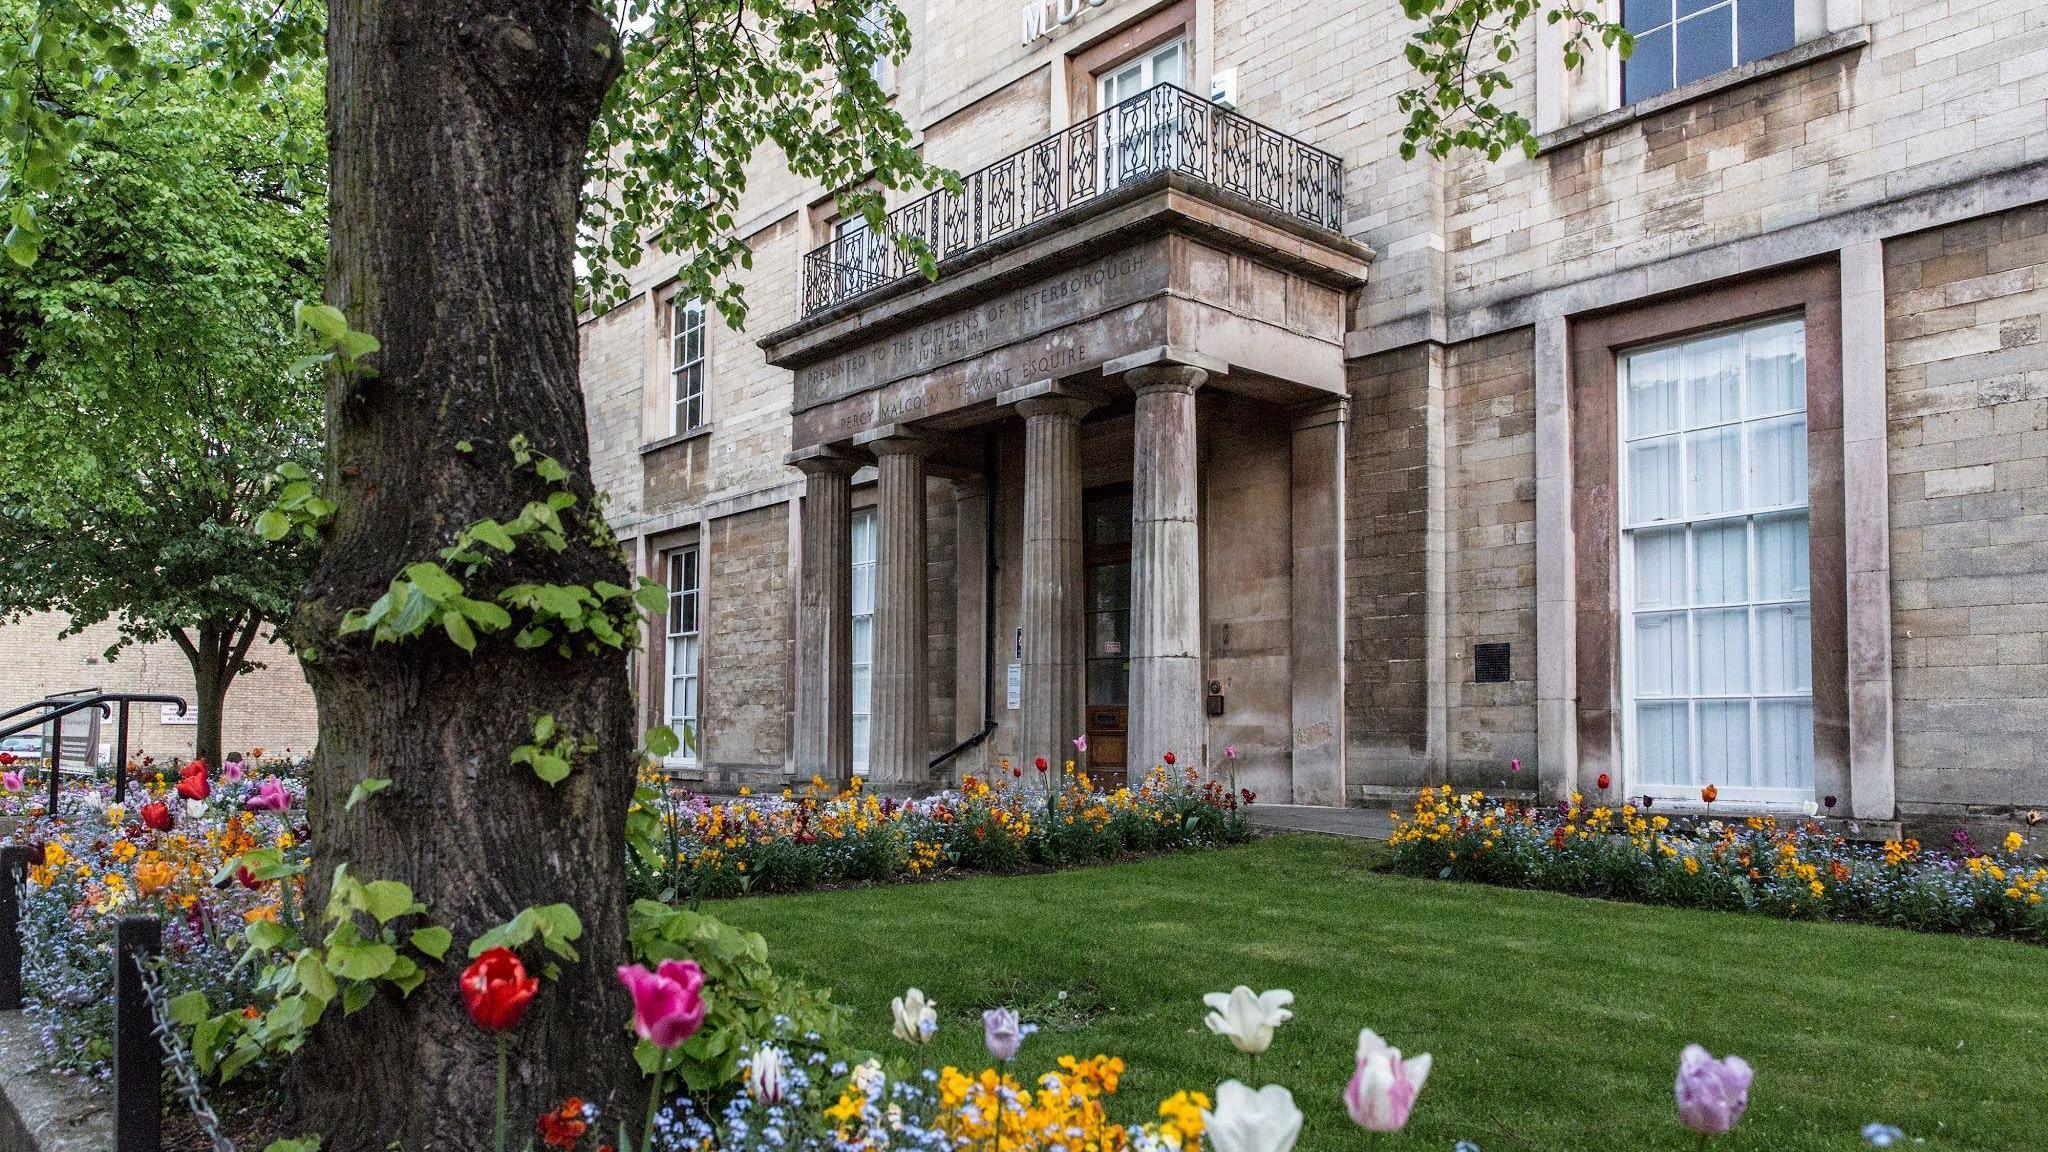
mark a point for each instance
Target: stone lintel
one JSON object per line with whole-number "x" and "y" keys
{"x": 1166, "y": 356}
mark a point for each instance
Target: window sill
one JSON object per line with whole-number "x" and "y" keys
{"x": 670, "y": 441}
{"x": 1798, "y": 56}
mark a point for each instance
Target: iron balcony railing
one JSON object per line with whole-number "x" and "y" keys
{"x": 1163, "y": 129}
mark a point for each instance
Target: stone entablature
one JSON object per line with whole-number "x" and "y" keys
{"x": 1170, "y": 264}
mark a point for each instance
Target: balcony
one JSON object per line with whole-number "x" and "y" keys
{"x": 1163, "y": 132}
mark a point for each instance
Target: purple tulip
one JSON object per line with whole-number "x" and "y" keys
{"x": 1003, "y": 1032}
{"x": 1712, "y": 1094}
{"x": 10, "y": 781}
{"x": 231, "y": 771}
{"x": 270, "y": 797}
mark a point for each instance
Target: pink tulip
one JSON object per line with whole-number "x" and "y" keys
{"x": 1712, "y": 1094}
{"x": 1383, "y": 1086}
{"x": 232, "y": 772}
{"x": 10, "y": 781}
{"x": 1081, "y": 743}
{"x": 270, "y": 797}
{"x": 668, "y": 1003}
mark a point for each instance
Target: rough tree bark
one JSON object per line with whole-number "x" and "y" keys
{"x": 456, "y": 136}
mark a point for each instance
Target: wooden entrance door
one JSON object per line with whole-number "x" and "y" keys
{"x": 1106, "y": 514}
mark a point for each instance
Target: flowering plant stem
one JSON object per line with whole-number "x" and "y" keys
{"x": 503, "y": 1060}
{"x": 653, "y": 1106}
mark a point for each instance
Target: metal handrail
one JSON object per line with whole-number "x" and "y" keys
{"x": 53, "y": 753}
{"x": 102, "y": 701}
{"x": 1165, "y": 128}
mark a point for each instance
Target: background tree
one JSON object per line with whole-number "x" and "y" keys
{"x": 146, "y": 390}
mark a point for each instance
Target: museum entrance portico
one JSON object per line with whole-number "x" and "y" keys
{"x": 1171, "y": 355}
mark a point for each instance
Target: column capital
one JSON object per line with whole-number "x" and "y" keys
{"x": 896, "y": 440}
{"x": 822, "y": 460}
{"x": 1316, "y": 413}
{"x": 1052, "y": 398}
{"x": 1166, "y": 367}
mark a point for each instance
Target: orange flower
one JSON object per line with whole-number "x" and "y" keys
{"x": 563, "y": 1127}
{"x": 1709, "y": 793}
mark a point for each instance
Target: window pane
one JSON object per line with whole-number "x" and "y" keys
{"x": 1765, "y": 27}
{"x": 860, "y": 744}
{"x": 1781, "y": 564}
{"x": 1653, "y": 392}
{"x": 863, "y": 639}
{"x": 1642, "y": 15}
{"x": 1776, "y": 360}
{"x": 1660, "y": 654}
{"x": 1784, "y": 643}
{"x": 1660, "y": 569}
{"x": 1713, "y": 380}
{"x": 1720, "y": 563}
{"x": 863, "y": 691}
{"x": 1706, "y": 44}
{"x": 1714, "y": 461}
{"x": 1690, "y": 7}
{"x": 1648, "y": 72}
{"x": 1169, "y": 65}
{"x": 1653, "y": 481}
{"x": 1784, "y": 744}
{"x": 1724, "y": 650}
{"x": 1724, "y": 742}
{"x": 1777, "y": 462}
{"x": 1663, "y": 744}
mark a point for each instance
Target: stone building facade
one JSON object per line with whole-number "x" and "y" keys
{"x": 1708, "y": 445}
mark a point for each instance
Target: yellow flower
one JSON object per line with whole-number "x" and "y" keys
{"x": 2014, "y": 841}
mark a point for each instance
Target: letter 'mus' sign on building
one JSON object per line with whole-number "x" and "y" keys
{"x": 1040, "y": 17}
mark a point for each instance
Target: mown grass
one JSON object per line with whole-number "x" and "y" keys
{"x": 1555, "y": 1021}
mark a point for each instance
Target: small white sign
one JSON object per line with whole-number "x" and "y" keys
{"x": 1016, "y": 686}
{"x": 170, "y": 715}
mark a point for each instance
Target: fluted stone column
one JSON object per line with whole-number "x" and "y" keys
{"x": 1166, "y": 610}
{"x": 824, "y": 628}
{"x": 1054, "y": 627}
{"x": 897, "y": 730}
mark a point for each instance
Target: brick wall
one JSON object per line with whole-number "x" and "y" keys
{"x": 270, "y": 708}
{"x": 1967, "y": 382}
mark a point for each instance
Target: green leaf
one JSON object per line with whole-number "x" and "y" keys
{"x": 433, "y": 581}
{"x": 551, "y": 768}
{"x": 273, "y": 525}
{"x": 662, "y": 741}
{"x": 188, "y": 1009}
{"x": 361, "y": 961}
{"x": 313, "y": 977}
{"x": 433, "y": 940}
{"x": 356, "y": 996}
{"x": 298, "y": 1144}
{"x": 493, "y": 533}
{"x": 457, "y": 627}
{"x": 367, "y": 789}
{"x": 386, "y": 900}
{"x": 324, "y": 319}
{"x": 22, "y": 246}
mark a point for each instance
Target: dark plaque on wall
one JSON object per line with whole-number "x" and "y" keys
{"x": 1490, "y": 664}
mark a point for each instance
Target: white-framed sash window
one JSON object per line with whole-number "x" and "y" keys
{"x": 1127, "y": 135}
{"x": 685, "y": 602}
{"x": 686, "y": 365}
{"x": 863, "y": 548}
{"x": 1716, "y": 624}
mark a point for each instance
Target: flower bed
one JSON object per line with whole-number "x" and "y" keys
{"x": 710, "y": 847}
{"x": 162, "y": 854}
{"x": 1757, "y": 864}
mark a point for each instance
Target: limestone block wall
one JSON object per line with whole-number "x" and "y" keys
{"x": 1942, "y": 93}
{"x": 270, "y": 708}
{"x": 746, "y": 660}
{"x": 1247, "y": 590}
{"x": 1490, "y": 558}
{"x": 1967, "y": 385}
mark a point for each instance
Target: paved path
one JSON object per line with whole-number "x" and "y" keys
{"x": 1359, "y": 823}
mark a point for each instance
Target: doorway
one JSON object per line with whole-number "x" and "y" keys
{"x": 1106, "y": 557}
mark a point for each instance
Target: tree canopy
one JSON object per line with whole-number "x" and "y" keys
{"x": 147, "y": 388}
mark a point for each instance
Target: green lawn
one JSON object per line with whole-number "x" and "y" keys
{"x": 1555, "y": 1021}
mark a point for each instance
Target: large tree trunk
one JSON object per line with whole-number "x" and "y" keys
{"x": 215, "y": 650}
{"x": 456, "y": 136}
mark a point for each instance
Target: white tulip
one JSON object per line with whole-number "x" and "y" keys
{"x": 196, "y": 809}
{"x": 916, "y": 1017}
{"x": 1812, "y": 809}
{"x": 1248, "y": 1121}
{"x": 765, "y": 1074}
{"x": 1248, "y": 1018}
{"x": 868, "y": 1079}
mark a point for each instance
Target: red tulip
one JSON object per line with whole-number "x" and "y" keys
{"x": 157, "y": 815}
{"x": 1169, "y": 759}
{"x": 194, "y": 786}
{"x": 1604, "y": 781}
{"x": 1041, "y": 763}
{"x": 247, "y": 877}
{"x": 496, "y": 989}
{"x": 6, "y": 757}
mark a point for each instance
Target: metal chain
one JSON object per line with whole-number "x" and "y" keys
{"x": 184, "y": 1073}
